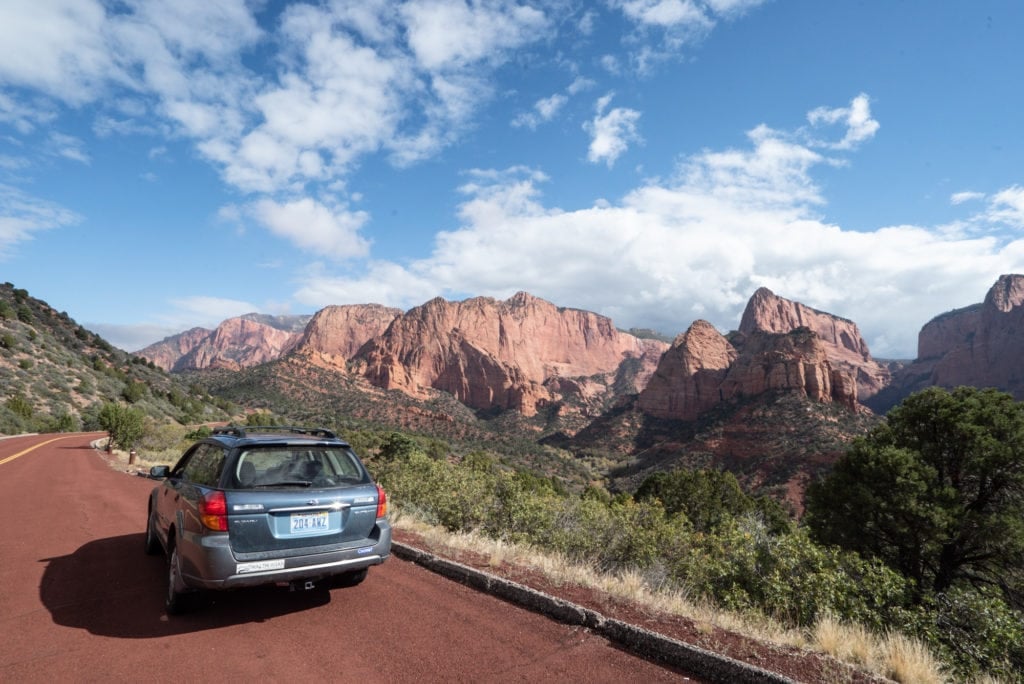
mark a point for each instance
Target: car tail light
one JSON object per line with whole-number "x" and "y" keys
{"x": 213, "y": 511}
{"x": 382, "y": 502}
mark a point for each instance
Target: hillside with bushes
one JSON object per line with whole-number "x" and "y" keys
{"x": 56, "y": 375}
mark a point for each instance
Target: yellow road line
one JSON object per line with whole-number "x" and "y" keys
{"x": 31, "y": 448}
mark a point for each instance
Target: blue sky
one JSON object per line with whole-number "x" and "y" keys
{"x": 167, "y": 165}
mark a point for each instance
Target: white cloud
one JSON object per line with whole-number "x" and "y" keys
{"x": 449, "y": 33}
{"x": 586, "y": 22}
{"x": 59, "y": 48}
{"x": 580, "y": 84}
{"x": 22, "y": 215}
{"x": 961, "y": 197}
{"x": 23, "y": 117}
{"x": 732, "y": 8}
{"x": 1007, "y": 207}
{"x": 856, "y": 118}
{"x": 67, "y": 146}
{"x": 135, "y": 337}
{"x": 544, "y": 110}
{"x": 9, "y": 163}
{"x": 210, "y": 310}
{"x": 665, "y": 28}
{"x": 332, "y": 232}
{"x": 383, "y": 283}
{"x": 611, "y": 133}
{"x": 663, "y": 12}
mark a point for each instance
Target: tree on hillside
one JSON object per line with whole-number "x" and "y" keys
{"x": 936, "y": 492}
{"x": 123, "y": 424}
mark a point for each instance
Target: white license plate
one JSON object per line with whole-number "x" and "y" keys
{"x": 309, "y": 522}
{"x": 259, "y": 566}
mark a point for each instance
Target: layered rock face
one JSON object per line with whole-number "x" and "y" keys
{"x": 336, "y": 333}
{"x": 844, "y": 347}
{"x": 794, "y": 361}
{"x": 703, "y": 369}
{"x": 508, "y": 355}
{"x": 944, "y": 333}
{"x": 982, "y": 346}
{"x": 169, "y": 350}
{"x": 238, "y": 343}
{"x": 688, "y": 380}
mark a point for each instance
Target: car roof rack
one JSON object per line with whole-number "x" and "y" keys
{"x": 241, "y": 431}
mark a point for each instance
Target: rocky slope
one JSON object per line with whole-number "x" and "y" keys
{"x": 522, "y": 353}
{"x": 55, "y": 375}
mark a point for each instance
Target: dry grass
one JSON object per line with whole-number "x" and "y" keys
{"x": 907, "y": 660}
{"x": 894, "y": 656}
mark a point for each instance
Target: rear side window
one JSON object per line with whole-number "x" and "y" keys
{"x": 297, "y": 467}
{"x": 205, "y": 465}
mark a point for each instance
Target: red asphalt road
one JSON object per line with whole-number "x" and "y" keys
{"x": 79, "y": 601}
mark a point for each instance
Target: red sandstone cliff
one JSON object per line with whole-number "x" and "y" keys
{"x": 844, "y": 347}
{"x": 689, "y": 377}
{"x": 703, "y": 369}
{"x": 335, "y": 333}
{"x": 513, "y": 354}
{"x": 980, "y": 345}
{"x": 169, "y": 350}
{"x": 238, "y": 343}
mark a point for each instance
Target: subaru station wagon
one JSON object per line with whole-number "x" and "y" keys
{"x": 248, "y": 506}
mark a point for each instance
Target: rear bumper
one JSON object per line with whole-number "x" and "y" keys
{"x": 209, "y": 563}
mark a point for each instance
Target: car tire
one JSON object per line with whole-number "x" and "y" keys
{"x": 179, "y": 599}
{"x": 350, "y": 579}
{"x": 152, "y": 542}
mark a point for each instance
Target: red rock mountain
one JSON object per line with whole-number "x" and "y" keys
{"x": 980, "y": 345}
{"x": 781, "y": 345}
{"x": 515, "y": 354}
{"x": 525, "y": 353}
{"x": 236, "y": 343}
{"x": 169, "y": 350}
{"x": 845, "y": 349}
{"x": 335, "y": 333}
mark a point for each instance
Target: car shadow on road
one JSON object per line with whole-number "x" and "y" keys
{"x": 109, "y": 587}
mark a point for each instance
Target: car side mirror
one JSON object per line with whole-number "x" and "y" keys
{"x": 159, "y": 472}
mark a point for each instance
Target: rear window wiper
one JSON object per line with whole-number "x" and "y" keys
{"x": 285, "y": 483}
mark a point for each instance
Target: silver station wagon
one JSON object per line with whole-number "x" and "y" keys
{"x": 254, "y": 505}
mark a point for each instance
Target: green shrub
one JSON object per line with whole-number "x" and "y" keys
{"x": 20, "y": 406}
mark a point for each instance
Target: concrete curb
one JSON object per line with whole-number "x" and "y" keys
{"x": 643, "y": 642}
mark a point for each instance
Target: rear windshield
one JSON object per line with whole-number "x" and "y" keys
{"x": 297, "y": 467}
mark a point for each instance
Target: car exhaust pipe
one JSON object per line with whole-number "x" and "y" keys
{"x": 300, "y": 585}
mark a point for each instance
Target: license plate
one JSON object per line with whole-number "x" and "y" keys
{"x": 309, "y": 522}
{"x": 259, "y": 566}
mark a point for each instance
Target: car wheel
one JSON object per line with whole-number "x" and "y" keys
{"x": 152, "y": 542}
{"x": 350, "y": 579}
{"x": 179, "y": 599}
